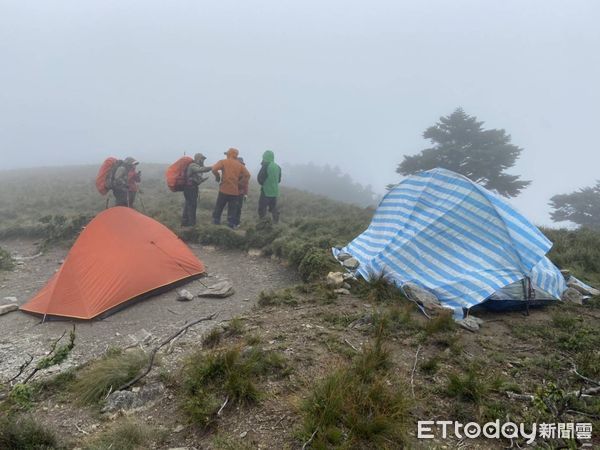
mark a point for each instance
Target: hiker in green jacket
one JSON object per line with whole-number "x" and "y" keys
{"x": 269, "y": 178}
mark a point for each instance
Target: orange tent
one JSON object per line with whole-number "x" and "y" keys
{"x": 120, "y": 256}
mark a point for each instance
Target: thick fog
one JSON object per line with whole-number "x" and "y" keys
{"x": 348, "y": 83}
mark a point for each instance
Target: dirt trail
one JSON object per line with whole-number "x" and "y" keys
{"x": 22, "y": 334}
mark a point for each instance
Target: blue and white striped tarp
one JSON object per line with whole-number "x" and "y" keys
{"x": 442, "y": 231}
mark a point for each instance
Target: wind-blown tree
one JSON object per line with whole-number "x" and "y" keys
{"x": 581, "y": 207}
{"x": 461, "y": 144}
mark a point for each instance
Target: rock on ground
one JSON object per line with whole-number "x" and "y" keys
{"x": 422, "y": 296}
{"x": 5, "y": 309}
{"x": 470, "y": 323}
{"x": 183, "y": 295}
{"x": 572, "y": 295}
{"x": 221, "y": 289}
{"x": 342, "y": 291}
{"x": 343, "y": 256}
{"x": 335, "y": 279}
{"x": 351, "y": 263}
{"x": 124, "y": 400}
{"x": 582, "y": 289}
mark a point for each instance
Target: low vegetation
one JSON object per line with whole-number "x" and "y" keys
{"x": 95, "y": 381}
{"x": 356, "y": 406}
{"x": 124, "y": 435}
{"x": 6, "y": 260}
{"x": 24, "y": 433}
{"x": 277, "y": 298}
{"x": 227, "y": 376}
{"x": 309, "y": 366}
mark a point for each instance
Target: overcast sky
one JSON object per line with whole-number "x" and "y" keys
{"x": 349, "y": 83}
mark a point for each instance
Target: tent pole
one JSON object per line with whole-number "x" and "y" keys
{"x": 529, "y": 294}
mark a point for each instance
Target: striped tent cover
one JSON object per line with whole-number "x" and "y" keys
{"x": 450, "y": 235}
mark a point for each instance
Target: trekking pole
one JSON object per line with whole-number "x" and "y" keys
{"x": 107, "y": 199}
{"x": 142, "y": 201}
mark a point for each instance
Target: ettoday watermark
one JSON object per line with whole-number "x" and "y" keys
{"x": 430, "y": 429}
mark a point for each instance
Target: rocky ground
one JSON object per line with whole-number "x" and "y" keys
{"x": 152, "y": 319}
{"x": 316, "y": 333}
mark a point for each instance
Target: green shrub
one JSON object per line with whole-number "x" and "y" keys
{"x": 235, "y": 327}
{"x": 6, "y": 260}
{"x": 221, "y": 236}
{"x": 314, "y": 264}
{"x": 430, "y": 366}
{"x": 125, "y": 435}
{"x": 395, "y": 319}
{"x": 212, "y": 338}
{"x": 24, "y": 433}
{"x": 377, "y": 288}
{"x": 262, "y": 234}
{"x": 441, "y": 323}
{"x": 576, "y": 250}
{"x": 228, "y": 374}
{"x": 469, "y": 386}
{"x": 107, "y": 374}
{"x": 22, "y": 395}
{"x": 281, "y": 297}
{"x": 354, "y": 407}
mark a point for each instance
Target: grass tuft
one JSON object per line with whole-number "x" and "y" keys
{"x": 354, "y": 407}
{"x": 6, "y": 260}
{"x": 469, "y": 386}
{"x": 377, "y": 289}
{"x": 106, "y": 374}
{"x": 26, "y": 433}
{"x": 281, "y": 297}
{"x": 212, "y": 338}
{"x": 228, "y": 374}
{"x": 125, "y": 435}
{"x": 444, "y": 322}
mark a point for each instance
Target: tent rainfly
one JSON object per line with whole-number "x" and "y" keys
{"x": 120, "y": 256}
{"x": 455, "y": 238}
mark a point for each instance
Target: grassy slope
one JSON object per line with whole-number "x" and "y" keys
{"x": 370, "y": 397}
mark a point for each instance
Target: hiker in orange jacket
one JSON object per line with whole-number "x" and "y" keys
{"x": 231, "y": 174}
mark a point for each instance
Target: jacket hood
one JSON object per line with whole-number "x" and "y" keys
{"x": 232, "y": 153}
{"x": 268, "y": 156}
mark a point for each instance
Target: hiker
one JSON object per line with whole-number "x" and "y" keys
{"x": 193, "y": 179}
{"x": 269, "y": 178}
{"x": 231, "y": 174}
{"x": 125, "y": 182}
{"x": 243, "y": 188}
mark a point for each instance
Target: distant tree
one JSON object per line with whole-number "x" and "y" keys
{"x": 462, "y": 145}
{"x": 581, "y": 207}
{"x": 330, "y": 182}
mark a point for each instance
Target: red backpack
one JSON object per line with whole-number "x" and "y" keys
{"x": 177, "y": 173}
{"x": 104, "y": 179}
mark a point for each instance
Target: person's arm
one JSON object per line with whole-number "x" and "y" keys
{"x": 202, "y": 170}
{"x": 215, "y": 170}
{"x": 262, "y": 175}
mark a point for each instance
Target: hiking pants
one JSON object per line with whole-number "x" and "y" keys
{"x": 124, "y": 197}
{"x": 238, "y": 211}
{"x": 232, "y": 205}
{"x": 190, "y": 194}
{"x": 269, "y": 203}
